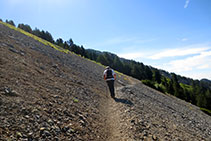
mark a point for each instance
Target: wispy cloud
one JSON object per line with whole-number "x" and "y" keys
{"x": 184, "y": 39}
{"x": 190, "y": 50}
{"x": 201, "y": 61}
{"x": 196, "y": 62}
{"x": 186, "y": 3}
{"x": 197, "y": 66}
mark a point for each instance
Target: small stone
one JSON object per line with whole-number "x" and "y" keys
{"x": 55, "y": 66}
{"x": 30, "y": 134}
{"x": 24, "y": 111}
{"x": 65, "y": 129}
{"x": 46, "y": 133}
{"x": 19, "y": 135}
{"x": 13, "y": 50}
{"x": 22, "y": 53}
{"x": 50, "y": 121}
{"x": 132, "y": 121}
{"x": 82, "y": 122}
{"x": 56, "y": 129}
{"x": 10, "y": 92}
{"x": 71, "y": 131}
{"x": 56, "y": 138}
{"x": 70, "y": 124}
{"x": 55, "y": 96}
{"x": 154, "y": 137}
{"x": 34, "y": 110}
{"x": 26, "y": 116}
{"x": 37, "y": 116}
{"x": 148, "y": 126}
{"x": 42, "y": 128}
{"x": 145, "y": 133}
{"x": 50, "y": 104}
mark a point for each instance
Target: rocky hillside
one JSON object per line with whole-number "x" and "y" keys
{"x": 46, "y": 94}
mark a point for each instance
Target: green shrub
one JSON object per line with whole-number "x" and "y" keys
{"x": 149, "y": 83}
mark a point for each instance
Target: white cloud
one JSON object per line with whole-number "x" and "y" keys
{"x": 199, "y": 75}
{"x": 186, "y": 3}
{"x": 190, "y": 50}
{"x": 196, "y": 65}
{"x": 197, "y": 62}
{"x": 204, "y": 66}
{"x": 184, "y": 39}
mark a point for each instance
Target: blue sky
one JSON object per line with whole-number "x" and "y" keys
{"x": 174, "y": 35}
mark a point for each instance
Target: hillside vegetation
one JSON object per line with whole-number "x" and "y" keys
{"x": 48, "y": 92}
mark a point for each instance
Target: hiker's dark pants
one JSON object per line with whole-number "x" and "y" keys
{"x": 111, "y": 87}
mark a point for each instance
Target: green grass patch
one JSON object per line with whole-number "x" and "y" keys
{"x": 37, "y": 38}
{"x": 206, "y": 111}
{"x": 149, "y": 83}
{"x": 75, "y": 100}
{"x": 187, "y": 87}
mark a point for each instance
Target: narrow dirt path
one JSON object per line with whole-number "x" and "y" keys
{"x": 113, "y": 121}
{"x": 117, "y": 123}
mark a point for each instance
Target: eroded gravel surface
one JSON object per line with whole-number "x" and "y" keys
{"x": 49, "y": 95}
{"x": 46, "y": 94}
{"x": 155, "y": 116}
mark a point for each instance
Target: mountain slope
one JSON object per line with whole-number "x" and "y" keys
{"x": 54, "y": 97}
{"x": 50, "y": 95}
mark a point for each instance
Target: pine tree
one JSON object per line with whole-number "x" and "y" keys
{"x": 148, "y": 72}
{"x": 118, "y": 64}
{"x": 59, "y": 42}
{"x": 102, "y": 60}
{"x": 10, "y": 22}
{"x": 83, "y": 51}
{"x": 70, "y": 42}
{"x": 25, "y": 27}
{"x": 201, "y": 100}
{"x": 135, "y": 72}
{"x": 208, "y": 98}
{"x": 170, "y": 88}
{"x": 157, "y": 76}
{"x": 177, "y": 88}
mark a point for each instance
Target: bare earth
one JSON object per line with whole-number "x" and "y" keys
{"x": 48, "y": 95}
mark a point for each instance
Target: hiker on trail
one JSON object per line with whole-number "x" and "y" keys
{"x": 110, "y": 77}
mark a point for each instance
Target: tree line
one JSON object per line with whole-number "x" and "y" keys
{"x": 193, "y": 91}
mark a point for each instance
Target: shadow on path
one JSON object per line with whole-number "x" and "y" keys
{"x": 124, "y": 101}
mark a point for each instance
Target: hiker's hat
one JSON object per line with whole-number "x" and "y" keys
{"x": 107, "y": 67}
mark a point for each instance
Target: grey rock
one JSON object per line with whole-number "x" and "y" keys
{"x": 13, "y": 50}
{"x": 46, "y": 133}
{"x": 1, "y": 101}
{"x": 10, "y": 92}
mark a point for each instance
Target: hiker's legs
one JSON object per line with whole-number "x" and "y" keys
{"x": 111, "y": 88}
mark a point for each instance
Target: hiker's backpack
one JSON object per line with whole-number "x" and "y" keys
{"x": 109, "y": 74}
